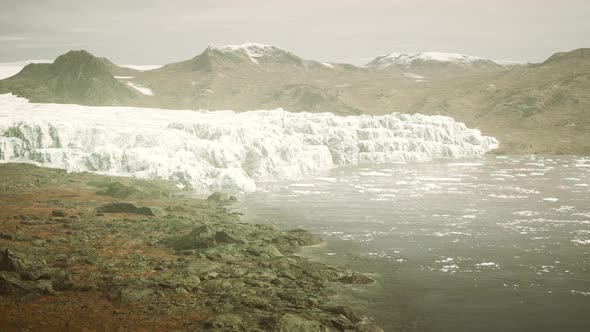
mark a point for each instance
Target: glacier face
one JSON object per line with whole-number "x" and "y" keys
{"x": 223, "y": 149}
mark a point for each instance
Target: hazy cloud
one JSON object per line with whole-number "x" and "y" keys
{"x": 155, "y": 31}
{"x": 12, "y": 38}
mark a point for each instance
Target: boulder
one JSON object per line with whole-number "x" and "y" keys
{"x": 131, "y": 294}
{"x": 356, "y": 279}
{"x": 226, "y": 322}
{"x": 297, "y": 238}
{"x": 200, "y": 238}
{"x": 290, "y": 322}
{"x": 11, "y": 261}
{"x": 176, "y": 280}
{"x": 12, "y": 283}
{"x": 58, "y": 214}
{"x": 120, "y": 207}
{"x": 347, "y": 312}
{"x": 223, "y": 237}
{"x": 219, "y": 197}
{"x": 119, "y": 190}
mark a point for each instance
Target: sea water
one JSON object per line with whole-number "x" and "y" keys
{"x": 497, "y": 243}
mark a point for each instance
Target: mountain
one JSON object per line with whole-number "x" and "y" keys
{"x": 579, "y": 54}
{"x": 536, "y": 108}
{"x": 75, "y": 77}
{"x": 530, "y": 108}
{"x": 232, "y": 56}
{"x": 246, "y": 77}
{"x": 434, "y": 64}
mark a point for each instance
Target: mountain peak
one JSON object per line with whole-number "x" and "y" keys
{"x": 75, "y": 56}
{"x": 244, "y": 47}
{"x": 409, "y": 60}
{"x": 255, "y": 52}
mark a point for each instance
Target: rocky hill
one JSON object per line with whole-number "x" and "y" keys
{"x": 75, "y": 77}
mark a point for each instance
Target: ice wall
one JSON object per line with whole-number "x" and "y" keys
{"x": 220, "y": 150}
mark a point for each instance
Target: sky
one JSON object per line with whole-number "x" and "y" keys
{"x": 159, "y": 31}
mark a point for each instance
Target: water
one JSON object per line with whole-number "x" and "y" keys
{"x": 489, "y": 244}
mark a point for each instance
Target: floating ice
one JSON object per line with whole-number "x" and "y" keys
{"x": 213, "y": 150}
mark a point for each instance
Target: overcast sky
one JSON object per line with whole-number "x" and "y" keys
{"x": 159, "y": 31}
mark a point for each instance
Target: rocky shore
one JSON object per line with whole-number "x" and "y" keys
{"x": 91, "y": 252}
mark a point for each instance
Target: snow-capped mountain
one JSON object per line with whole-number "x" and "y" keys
{"x": 247, "y": 55}
{"x": 412, "y": 60}
{"x": 257, "y": 53}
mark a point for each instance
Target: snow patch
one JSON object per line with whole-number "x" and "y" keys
{"x": 142, "y": 67}
{"x": 142, "y": 89}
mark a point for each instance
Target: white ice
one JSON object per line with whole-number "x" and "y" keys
{"x": 214, "y": 150}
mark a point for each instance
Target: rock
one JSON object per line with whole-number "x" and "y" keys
{"x": 356, "y": 279}
{"x": 301, "y": 237}
{"x": 180, "y": 290}
{"x": 226, "y": 322}
{"x": 293, "y": 323}
{"x": 58, "y": 239}
{"x": 200, "y": 267}
{"x": 219, "y": 197}
{"x": 120, "y": 207}
{"x": 58, "y": 214}
{"x": 130, "y": 295}
{"x": 179, "y": 279}
{"x": 13, "y": 262}
{"x": 12, "y": 283}
{"x": 344, "y": 311}
{"x": 19, "y": 235}
{"x": 158, "y": 212}
{"x": 175, "y": 208}
{"x": 216, "y": 286}
{"x": 223, "y": 237}
{"x": 258, "y": 302}
{"x": 119, "y": 190}
{"x": 263, "y": 251}
{"x": 199, "y": 238}
{"x": 61, "y": 281}
{"x": 6, "y": 236}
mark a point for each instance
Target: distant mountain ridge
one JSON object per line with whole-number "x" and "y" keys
{"x": 410, "y": 60}
{"x": 530, "y": 108}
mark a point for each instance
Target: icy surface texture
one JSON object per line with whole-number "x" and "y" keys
{"x": 221, "y": 150}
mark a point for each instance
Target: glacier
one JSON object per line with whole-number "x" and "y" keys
{"x": 223, "y": 149}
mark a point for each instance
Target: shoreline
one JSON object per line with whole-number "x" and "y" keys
{"x": 88, "y": 251}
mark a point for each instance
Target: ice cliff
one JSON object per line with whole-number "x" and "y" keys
{"x": 213, "y": 150}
